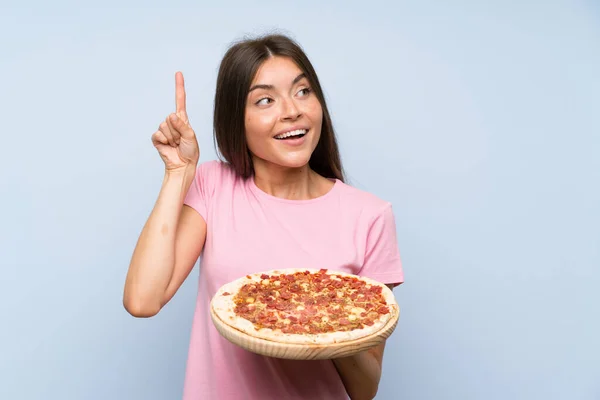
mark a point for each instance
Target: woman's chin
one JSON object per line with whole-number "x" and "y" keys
{"x": 295, "y": 160}
{"x": 291, "y": 161}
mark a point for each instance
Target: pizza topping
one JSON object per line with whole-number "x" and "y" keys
{"x": 286, "y": 295}
{"x": 383, "y": 310}
{"x": 305, "y": 302}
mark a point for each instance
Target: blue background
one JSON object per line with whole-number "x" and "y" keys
{"x": 479, "y": 122}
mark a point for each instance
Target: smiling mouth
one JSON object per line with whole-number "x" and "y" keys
{"x": 298, "y": 133}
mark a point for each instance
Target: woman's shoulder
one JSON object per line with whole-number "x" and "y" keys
{"x": 215, "y": 171}
{"x": 214, "y": 166}
{"x": 214, "y": 175}
{"x": 362, "y": 200}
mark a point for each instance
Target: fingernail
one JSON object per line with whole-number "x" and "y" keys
{"x": 173, "y": 117}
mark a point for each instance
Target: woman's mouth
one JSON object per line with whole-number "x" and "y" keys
{"x": 297, "y": 134}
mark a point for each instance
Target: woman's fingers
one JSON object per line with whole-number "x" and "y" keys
{"x": 166, "y": 131}
{"x": 182, "y": 127}
{"x": 159, "y": 138}
{"x": 180, "y": 97}
{"x": 174, "y": 131}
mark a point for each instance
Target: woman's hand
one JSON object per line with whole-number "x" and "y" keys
{"x": 175, "y": 139}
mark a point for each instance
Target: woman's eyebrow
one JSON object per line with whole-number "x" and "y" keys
{"x": 268, "y": 87}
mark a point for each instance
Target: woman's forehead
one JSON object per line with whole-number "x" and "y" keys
{"x": 277, "y": 71}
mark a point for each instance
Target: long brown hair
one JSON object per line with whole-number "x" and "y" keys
{"x": 236, "y": 72}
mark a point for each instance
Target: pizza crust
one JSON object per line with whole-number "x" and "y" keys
{"x": 223, "y": 307}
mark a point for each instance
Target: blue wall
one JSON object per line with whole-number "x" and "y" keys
{"x": 481, "y": 124}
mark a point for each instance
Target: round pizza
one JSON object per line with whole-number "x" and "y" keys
{"x": 305, "y": 306}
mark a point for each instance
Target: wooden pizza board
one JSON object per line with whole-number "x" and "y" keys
{"x": 305, "y": 351}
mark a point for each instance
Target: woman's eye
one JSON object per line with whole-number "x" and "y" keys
{"x": 264, "y": 101}
{"x": 304, "y": 92}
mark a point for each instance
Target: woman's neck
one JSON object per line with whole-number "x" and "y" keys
{"x": 290, "y": 183}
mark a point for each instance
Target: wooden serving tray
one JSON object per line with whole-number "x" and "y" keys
{"x": 305, "y": 351}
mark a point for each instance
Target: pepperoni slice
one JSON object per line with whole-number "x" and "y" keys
{"x": 333, "y": 311}
{"x": 311, "y": 311}
{"x": 285, "y": 295}
{"x": 322, "y": 300}
{"x": 294, "y": 287}
{"x": 383, "y": 310}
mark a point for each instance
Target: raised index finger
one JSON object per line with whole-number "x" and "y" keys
{"x": 180, "y": 96}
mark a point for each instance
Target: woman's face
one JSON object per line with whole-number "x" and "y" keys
{"x": 283, "y": 116}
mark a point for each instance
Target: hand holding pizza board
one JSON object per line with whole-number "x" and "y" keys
{"x": 305, "y": 314}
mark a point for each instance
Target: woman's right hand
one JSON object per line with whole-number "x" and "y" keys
{"x": 175, "y": 139}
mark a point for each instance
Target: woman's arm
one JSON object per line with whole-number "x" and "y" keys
{"x": 167, "y": 249}
{"x": 173, "y": 237}
{"x": 361, "y": 372}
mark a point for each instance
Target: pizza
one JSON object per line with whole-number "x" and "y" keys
{"x": 305, "y": 306}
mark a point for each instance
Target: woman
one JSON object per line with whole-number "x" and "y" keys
{"x": 277, "y": 201}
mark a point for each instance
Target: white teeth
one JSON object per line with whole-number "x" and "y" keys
{"x": 292, "y": 133}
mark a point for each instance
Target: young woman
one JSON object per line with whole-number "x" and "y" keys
{"x": 277, "y": 201}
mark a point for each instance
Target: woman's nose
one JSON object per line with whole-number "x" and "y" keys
{"x": 290, "y": 111}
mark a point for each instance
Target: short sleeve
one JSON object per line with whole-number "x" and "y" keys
{"x": 201, "y": 190}
{"x": 382, "y": 257}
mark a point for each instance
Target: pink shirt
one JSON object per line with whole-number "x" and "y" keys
{"x": 249, "y": 231}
